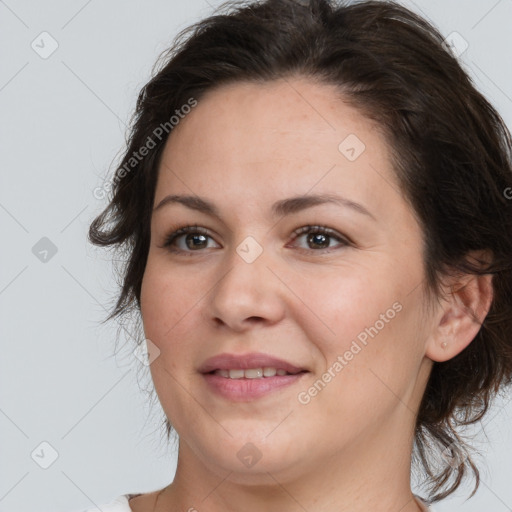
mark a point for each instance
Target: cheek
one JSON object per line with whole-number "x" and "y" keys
{"x": 370, "y": 323}
{"x": 339, "y": 307}
{"x": 368, "y": 366}
{"x": 168, "y": 304}
{"x": 167, "y": 298}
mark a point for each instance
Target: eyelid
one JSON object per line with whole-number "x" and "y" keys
{"x": 196, "y": 229}
{"x": 184, "y": 230}
{"x": 322, "y": 230}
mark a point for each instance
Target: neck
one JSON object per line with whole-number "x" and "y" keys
{"x": 372, "y": 473}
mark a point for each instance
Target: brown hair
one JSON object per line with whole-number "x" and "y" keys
{"x": 451, "y": 154}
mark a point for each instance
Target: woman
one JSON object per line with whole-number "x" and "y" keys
{"x": 320, "y": 253}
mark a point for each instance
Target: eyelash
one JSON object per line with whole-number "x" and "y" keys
{"x": 195, "y": 229}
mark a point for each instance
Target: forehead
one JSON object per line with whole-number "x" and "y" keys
{"x": 266, "y": 140}
{"x": 278, "y": 116}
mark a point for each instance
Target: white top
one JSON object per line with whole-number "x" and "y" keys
{"x": 121, "y": 504}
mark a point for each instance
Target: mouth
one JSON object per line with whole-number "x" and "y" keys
{"x": 251, "y": 361}
{"x": 243, "y": 378}
{"x": 253, "y": 373}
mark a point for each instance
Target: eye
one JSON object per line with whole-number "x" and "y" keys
{"x": 319, "y": 237}
{"x": 194, "y": 238}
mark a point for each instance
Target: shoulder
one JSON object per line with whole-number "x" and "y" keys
{"x": 119, "y": 504}
{"x": 134, "y": 502}
{"x": 141, "y": 502}
{"x": 424, "y": 504}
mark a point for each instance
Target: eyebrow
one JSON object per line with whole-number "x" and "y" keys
{"x": 279, "y": 208}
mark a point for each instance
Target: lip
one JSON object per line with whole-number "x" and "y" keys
{"x": 246, "y": 390}
{"x": 228, "y": 361}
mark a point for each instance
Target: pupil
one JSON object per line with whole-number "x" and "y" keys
{"x": 314, "y": 239}
{"x": 194, "y": 238}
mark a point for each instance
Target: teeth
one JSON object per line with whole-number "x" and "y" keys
{"x": 251, "y": 373}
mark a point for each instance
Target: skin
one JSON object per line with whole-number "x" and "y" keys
{"x": 243, "y": 147}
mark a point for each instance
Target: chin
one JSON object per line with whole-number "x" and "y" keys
{"x": 250, "y": 459}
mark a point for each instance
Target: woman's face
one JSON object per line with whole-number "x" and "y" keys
{"x": 344, "y": 305}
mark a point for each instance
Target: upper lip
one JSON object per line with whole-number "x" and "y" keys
{"x": 227, "y": 361}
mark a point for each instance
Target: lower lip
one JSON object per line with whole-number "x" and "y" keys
{"x": 245, "y": 390}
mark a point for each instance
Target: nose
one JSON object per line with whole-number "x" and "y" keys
{"x": 248, "y": 294}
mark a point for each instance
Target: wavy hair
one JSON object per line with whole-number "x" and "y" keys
{"x": 451, "y": 154}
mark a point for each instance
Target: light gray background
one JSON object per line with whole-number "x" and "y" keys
{"x": 63, "y": 122}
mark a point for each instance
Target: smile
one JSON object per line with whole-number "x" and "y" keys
{"x": 251, "y": 373}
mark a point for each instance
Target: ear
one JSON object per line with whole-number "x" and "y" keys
{"x": 462, "y": 312}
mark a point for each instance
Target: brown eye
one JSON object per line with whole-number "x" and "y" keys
{"x": 187, "y": 239}
{"x": 195, "y": 241}
{"x": 319, "y": 237}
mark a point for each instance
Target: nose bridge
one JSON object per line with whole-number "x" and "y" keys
{"x": 248, "y": 289}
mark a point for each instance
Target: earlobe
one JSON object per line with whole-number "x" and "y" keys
{"x": 461, "y": 317}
